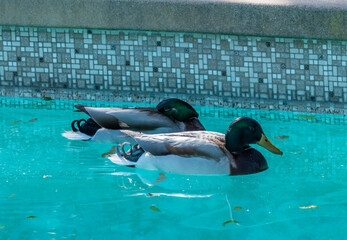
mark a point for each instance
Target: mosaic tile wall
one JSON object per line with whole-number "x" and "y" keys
{"x": 251, "y": 72}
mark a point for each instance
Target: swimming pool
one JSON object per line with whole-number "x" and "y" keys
{"x": 53, "y": 188}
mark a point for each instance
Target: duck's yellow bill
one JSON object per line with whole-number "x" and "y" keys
{"x": 265, "y": 143}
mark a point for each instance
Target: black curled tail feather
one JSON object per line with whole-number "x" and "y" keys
{"x": 79, "y": 123}
{"x": 133, "y": 154}
{"x": 89, "y": 127}
{"x": 73, "y": 125}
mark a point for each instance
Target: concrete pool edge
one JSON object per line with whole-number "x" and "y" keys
{"x": 295, "y": 19}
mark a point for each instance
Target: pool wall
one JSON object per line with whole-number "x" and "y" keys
{"x": 54, "y": 54}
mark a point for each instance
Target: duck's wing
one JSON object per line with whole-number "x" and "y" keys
{"x": 104, "y": 135}
{"x": 139, "y": 119}
{"x": 100, "y": 116}
{"x": 209, "y": 145}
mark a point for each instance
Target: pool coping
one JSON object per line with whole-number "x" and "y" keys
{"x": 295, "y": 19}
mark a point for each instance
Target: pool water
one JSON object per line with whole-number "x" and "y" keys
{"x": 54, "y": 188}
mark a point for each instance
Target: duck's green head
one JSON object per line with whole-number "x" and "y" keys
{"x": 177, "y": 109}
{"x": 244, "y": 131}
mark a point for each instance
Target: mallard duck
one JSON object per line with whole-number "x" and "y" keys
{"x": 104, "y": 124}
{"x": 199, "y": 152}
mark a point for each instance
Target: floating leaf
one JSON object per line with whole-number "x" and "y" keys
{"x": 160, "y": 179}
{"x": 33, "y": 120}
{"x": 10, "y": 196}
{"x": 231, "y": 221}
{"x": 31, "y": 217}
{"x": 238, "y": 208}
{"x": 155, "y": 208}
{"x": 152, "y": 195}
{"x": 112, "y": 151}
{"x": 47, "y": 98}
{"x": 2, "y": 227}
{"x": 282, "y": 137}
{"x": 307, "y": 116}
{"x": 308, "y": 207}
{"x": 19, "y": 121}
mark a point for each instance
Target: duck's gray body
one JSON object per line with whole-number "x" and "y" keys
{"x": 200, "y": 152}
{"x": 150, "y": 120}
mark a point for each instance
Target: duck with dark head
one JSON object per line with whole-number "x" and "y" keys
{"x": 200, "y": 152}
{"x": 104, "y": 124}
{"x": 242, "y": 132}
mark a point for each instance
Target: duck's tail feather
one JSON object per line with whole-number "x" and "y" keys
{"x": 76, "y": 135}
{"x": 82, "y": 130}
{"x": 89, "y": 127}
{"x": 120, "y": 160}
{"x": 127, "y": 158}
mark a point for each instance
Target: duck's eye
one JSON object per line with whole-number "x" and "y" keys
{"x": 166, "y": 109}
{"x": 251, "y": 128}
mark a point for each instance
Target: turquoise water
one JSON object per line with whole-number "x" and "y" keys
{"x": 53, "y": 188}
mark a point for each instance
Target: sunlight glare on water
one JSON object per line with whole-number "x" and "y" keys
{"x": 54, "y": 188}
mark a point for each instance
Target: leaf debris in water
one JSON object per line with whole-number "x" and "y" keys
{"x": 155, "y": 208}
{"x": 282, "y": 137}
{"x": 152, "y": 195}
{"x": 112, "y": 151}
{"x": 231, "y": 221}
{"x": 308, "y": 207}
{"x": 307, "y": 116}
{"x": 238, "y": 208}
{"x": 31, "y": 217}
{"x": 10, "y": 196}
{"x": 33, "y": 120}
{"x": 2, "y": 227}
{"x": 160, "y": 179}
{"x": 47, "y": 98}
{"x": 19, "y": 121}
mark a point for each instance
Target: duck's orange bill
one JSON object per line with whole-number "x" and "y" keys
{"x": 265, "y": 143}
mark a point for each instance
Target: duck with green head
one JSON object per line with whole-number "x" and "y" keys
{"x": 104, "y": 124}
{"x": 200, "y": 152}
